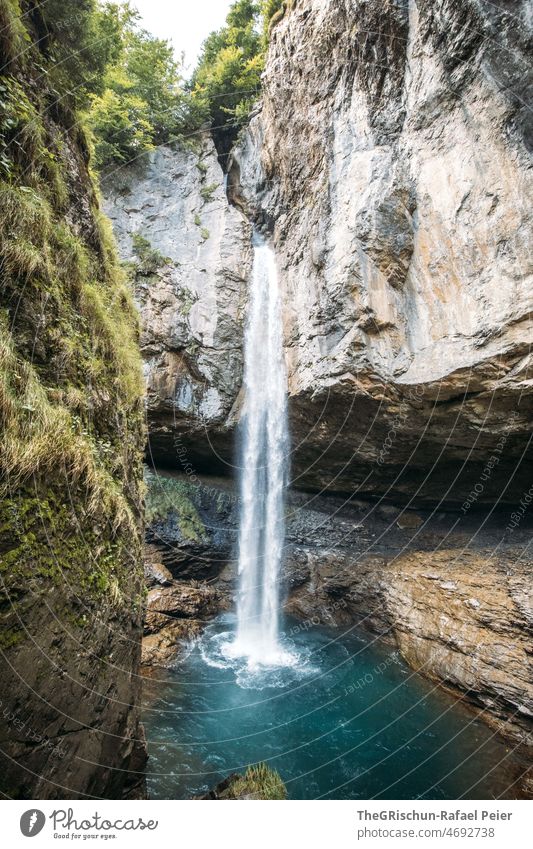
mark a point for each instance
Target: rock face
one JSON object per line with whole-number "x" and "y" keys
{"x": 191, "y": 293}
{"x": 390, "y": 160}
{"x": 176, "y": 613}
{"x": 458, "y": 612}
{"x": 190, "y": 538}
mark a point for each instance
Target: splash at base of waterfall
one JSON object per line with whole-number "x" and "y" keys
{"x": 220, "y": 649}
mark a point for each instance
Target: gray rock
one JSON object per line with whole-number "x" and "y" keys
{"x": 192, "y": 305}
{"x": 390, "y": 159}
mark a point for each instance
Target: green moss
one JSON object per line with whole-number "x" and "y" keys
{"x": 204, "y": 232}
{"x": 150, "y": 260}
{"x": 187, "y": 301}
{"x": 202, "y": 167}
{"x": 10, "y": 637}
{"x": 13, "y": 34}
{"x": 76, "y": 307}
{"x": 168, "y": 495}
{"x": 197, "y": 220}
{"x": 71, "y": 412}
{"x": 208, "y": 191}
{"x": 43, "y": 537}
{"x": 273, "y": 12}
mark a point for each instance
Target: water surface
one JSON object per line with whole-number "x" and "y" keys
{"x": 346, "y": 719}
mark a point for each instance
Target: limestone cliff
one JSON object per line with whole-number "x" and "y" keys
{"x": 191, "y": 294}
{"x": 390, "y": 159}
{"x": 389, "y": 162}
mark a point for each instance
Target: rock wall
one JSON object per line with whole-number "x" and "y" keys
{"x": 191, "y": 294}
{"x": 390, "y": 158}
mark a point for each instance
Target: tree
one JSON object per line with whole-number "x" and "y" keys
{"x": 144, "y": 101}
{"x": 227, "y": 80}
{"x": 81, "y": 39}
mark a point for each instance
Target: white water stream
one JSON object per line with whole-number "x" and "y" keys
{"x": 264, "y": 460}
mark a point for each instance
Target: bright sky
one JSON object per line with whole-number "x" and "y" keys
{"x": 184, "y": 22}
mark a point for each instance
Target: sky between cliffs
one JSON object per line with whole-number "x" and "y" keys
{"x": 185, "y": 22}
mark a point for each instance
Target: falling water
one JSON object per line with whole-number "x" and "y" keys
{"x": 264, "y": 467}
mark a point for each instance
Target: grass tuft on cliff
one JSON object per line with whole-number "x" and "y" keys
{"x": 258, "y": 782}
{"x": 71, "y": 388}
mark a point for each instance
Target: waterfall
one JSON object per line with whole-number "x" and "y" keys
{"x": 264, "y": 459}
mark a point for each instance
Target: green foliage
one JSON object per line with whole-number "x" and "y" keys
{"x": 80, "y": 39}
{"x": 150, "y": 260}
{"x": 187, "y": 299}
{"x": 272, "y": 12}
{"x": 122, "y": 128}
{"x": 138, "y": 96}
{"x": 165, "y": 496}
{"x": 208, "y": 191}
{"x": 70, "y": 376}
{"x": 14, "y": 37}
{"x": 258, "y": 782}
{"x": 204, "y": 233}
{"x": 143, "y": 101}
{"x": 228, "y": 78}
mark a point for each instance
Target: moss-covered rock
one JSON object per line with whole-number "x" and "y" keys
{"x": 71, "y": 421}
{"x": 168, "y": 495}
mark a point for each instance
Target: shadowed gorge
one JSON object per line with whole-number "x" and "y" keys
{"x": 266, "y": 403}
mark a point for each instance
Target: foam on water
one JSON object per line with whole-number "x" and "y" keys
{"x": 286, "y": 664}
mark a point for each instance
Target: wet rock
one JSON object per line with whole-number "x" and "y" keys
{"x": 162, "y": 648}
{"x": 451, "y": 591}
{"x": 409, "y": 520}
{"x": 176, "y": 613}
{"x": 457, "y": 622}
{"x": 155, "y": 572}
{"x": 180, "y": 601}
